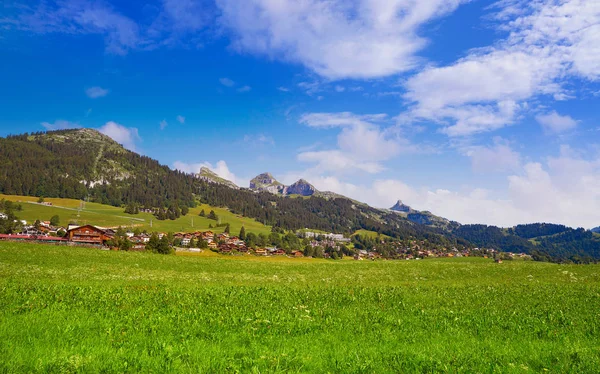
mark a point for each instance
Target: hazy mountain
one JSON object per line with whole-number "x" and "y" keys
{"x": 400, "y": 207}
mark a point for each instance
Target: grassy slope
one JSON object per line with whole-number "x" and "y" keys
{"x": 368, "y": 233}
{"x": 109, "y": 216}
{"x": 69, "y": 309}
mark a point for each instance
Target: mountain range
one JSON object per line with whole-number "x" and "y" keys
{"x": 85, "y": 164}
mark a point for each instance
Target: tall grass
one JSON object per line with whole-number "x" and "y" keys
{"x": 83, "y": 310}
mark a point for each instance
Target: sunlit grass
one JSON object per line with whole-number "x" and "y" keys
{"x": 109, "y": 216}
{"x": 70, "y": 309}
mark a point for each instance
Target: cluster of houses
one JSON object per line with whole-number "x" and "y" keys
{"x": 228, "y": 244}
{"x": 90, "y": 235}
{"x": 421, "y": 249}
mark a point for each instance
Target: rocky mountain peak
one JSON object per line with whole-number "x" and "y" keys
{"x": 266, "y": 182}
{"x": 401, "y": 207}
{"x": 301, "y": 187}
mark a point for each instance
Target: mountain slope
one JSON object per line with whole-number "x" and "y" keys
{"x": 85, "y": 164}
{"x": 210, "y": 176}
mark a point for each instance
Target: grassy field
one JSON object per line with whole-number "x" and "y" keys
{"x": 109, "y": 216}
{"x": 84, "y": 310}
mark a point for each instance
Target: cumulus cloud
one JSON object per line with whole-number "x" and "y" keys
{"x": 96, "y": 92}
{"x": 564, "y": 189}
{"x": 60, "y": 125}
{"x": 220, "y": 168}
{"x": 181, "y": 119}
{"x": 554, "y": 123}
{"x": 336, "y": 39}
{"x": 362, "y": 143}
{"x": 126, "y": 136}
{"x": 547, "y": 43}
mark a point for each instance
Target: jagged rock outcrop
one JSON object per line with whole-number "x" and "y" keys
{"x": 597, "y": 230}
{"x": 401, "y": 207}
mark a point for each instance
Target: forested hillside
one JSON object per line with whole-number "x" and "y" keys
{"x": 544, "y": 241}
{"x": 82, "y": 164}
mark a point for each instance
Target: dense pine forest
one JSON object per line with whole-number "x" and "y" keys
{"x": 84, "y": 164}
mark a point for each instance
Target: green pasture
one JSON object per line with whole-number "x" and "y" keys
{"x": 66, "y": 309}
{"x": 109, "y": 216}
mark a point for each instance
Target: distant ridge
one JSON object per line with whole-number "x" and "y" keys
{"x": 266, "y": 182}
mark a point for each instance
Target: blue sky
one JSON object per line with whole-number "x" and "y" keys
{"x": 479, "y": 111}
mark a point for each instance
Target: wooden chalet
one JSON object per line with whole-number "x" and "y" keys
{"x": 260, "y": 251}
{"x": 89, "y": 234}
{"x": 297, "y": 254}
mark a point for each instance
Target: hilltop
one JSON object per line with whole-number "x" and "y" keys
{"x": 210, "y": 176}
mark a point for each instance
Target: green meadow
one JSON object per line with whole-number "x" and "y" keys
{"x": 66, "y": 309}
{"x": 109, "y": 216}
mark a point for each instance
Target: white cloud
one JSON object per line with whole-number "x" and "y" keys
{"x": 554, "y": 123}
{"x": 220, "y": 168}
{"x": 227, "y": 82}
{"x": 60, "y": 125}
{"x": 362, "y": 143}
{"x": 339, "y": 88}
{"x": 181, "y": 119}
{"x": 163, "y": 124}
{"x": 96, "y": 92}
{"x": 126, "y": 136}
{"x": 175, "y": 22}
{"x": 283, "y": 89}
{"x": 336, "y": 39}
{"x": 121, "y": 33}
{"x": 497, "y": 158}
{"x": 566, "y": 190}
{"x": 547, "y": 43}
{"x": 244, "y": 89}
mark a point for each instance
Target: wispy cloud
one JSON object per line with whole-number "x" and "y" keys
{"x": 181, "y": 119}
{"x": 96, "y": 92}
{"x": 163, "y": 124}
{"x": 554, "y": 123}
{"x": 174, "y": 22}
{"x": 227, "y": 82}
{"x": 244, "y": 89}
{"x": 60, "y": 125}
{"x": 258, "y": 140}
